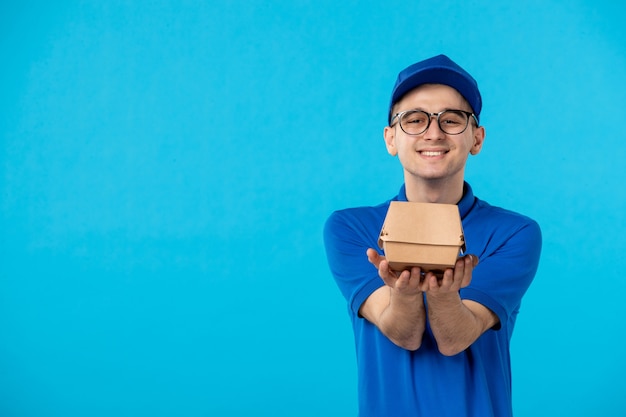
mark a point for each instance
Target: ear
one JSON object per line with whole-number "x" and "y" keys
{"x": 479, "y": 139}
{"x": 389, "y": 135}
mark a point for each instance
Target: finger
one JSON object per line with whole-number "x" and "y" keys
{"x": 404, "y": 280}
{"x": 374, "y": 257}
{"x": 388, "y": 275}
{"x": 429, "y": 282}
{"x": 475, "y": 260}
{"x": 416, "y": 276}
{"x": 449, "y": 277}
{"x": 470, "y": 263}
{"x": 462, "y": 265}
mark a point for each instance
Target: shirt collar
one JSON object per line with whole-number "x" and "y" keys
{"x": 465, "y": 205}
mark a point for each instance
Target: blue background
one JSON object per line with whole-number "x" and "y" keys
{"x": 166, "y": 168}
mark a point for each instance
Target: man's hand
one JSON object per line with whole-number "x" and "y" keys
{"x": 453, "y": 279}
{"x": 455, "y": 323}
{"x": 404, "y": 282}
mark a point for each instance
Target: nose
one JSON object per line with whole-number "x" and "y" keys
{"x": 434, "y": 132}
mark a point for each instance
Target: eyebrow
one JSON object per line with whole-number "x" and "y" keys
{"x": 445, "y": 109}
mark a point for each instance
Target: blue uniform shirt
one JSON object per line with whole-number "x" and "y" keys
{"x": 476, "y": 382}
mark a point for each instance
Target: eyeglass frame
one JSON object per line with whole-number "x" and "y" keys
{"x": 430, "y": 117}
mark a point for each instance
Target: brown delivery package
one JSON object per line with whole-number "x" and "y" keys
{"x": 427, "y": 235}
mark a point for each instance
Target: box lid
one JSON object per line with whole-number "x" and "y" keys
{"x": 423, "y": 223}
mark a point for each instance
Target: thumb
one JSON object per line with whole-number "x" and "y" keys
{"x": 374, "y": 257}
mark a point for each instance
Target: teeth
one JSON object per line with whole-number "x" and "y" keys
{"x": 432, "y": 153}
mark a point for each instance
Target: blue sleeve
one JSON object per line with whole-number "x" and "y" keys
{"x": 346, "y": 239}
{"x": 509, "y": 258}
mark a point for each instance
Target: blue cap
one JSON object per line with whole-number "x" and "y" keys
{"x": 437, "y": 70}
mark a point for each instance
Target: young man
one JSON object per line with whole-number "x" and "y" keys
{"x": 427, "y": 346}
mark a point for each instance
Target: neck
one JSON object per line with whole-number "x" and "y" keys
{"x": 443, "y": 191}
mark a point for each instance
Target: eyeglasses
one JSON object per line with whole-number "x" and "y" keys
{"x": 416, "y": 122}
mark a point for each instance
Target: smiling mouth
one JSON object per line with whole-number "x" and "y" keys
{"x": 432, "y": 153}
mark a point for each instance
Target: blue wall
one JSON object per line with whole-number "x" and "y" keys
{"x": 166, "y": 168}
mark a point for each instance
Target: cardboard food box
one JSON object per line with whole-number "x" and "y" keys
{"x": 427, "y": 235}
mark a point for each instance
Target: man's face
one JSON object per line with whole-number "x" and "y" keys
{"x": 433, "y": 155}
